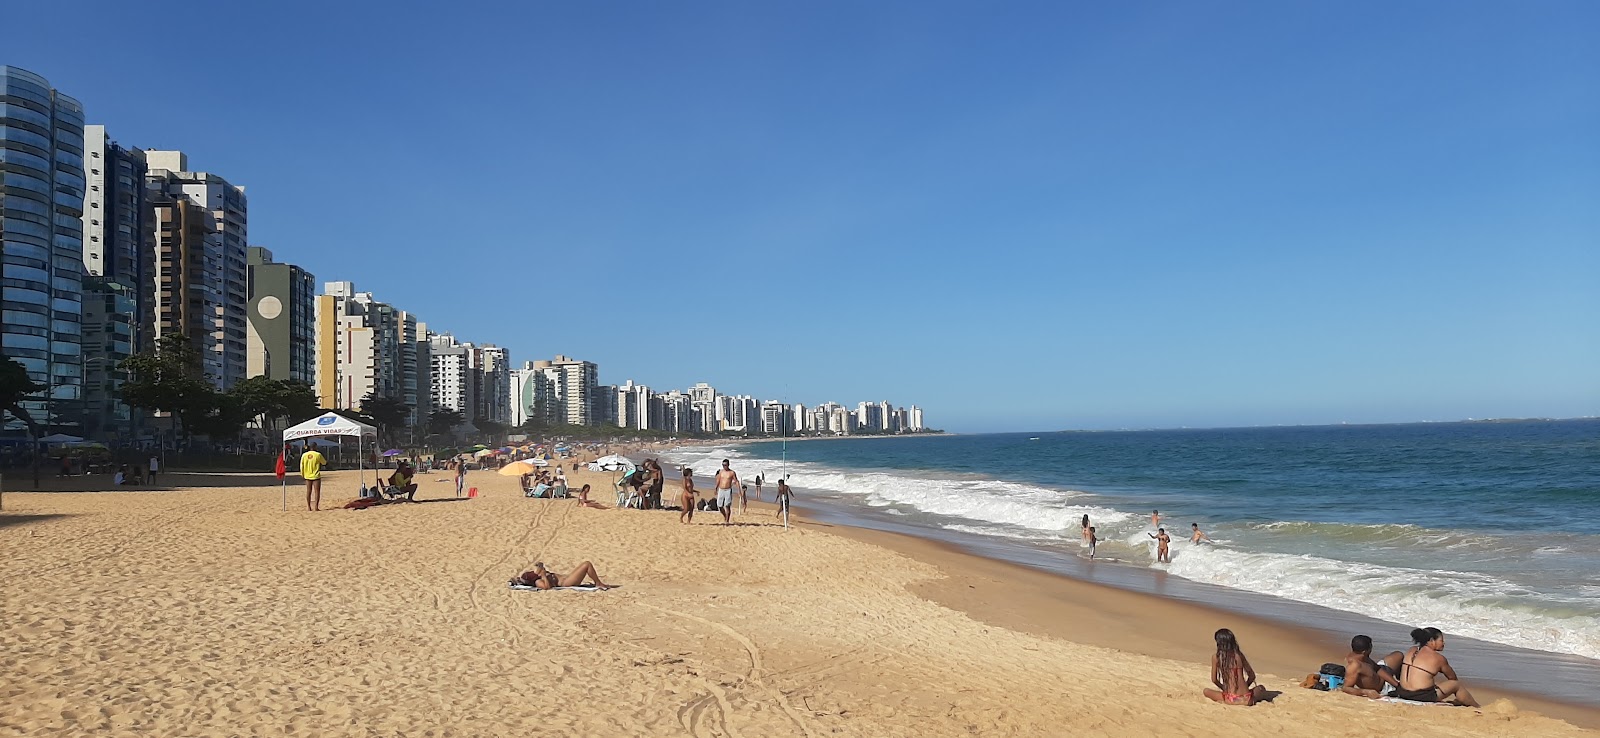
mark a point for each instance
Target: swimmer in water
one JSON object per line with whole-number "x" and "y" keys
{"x": 1086, "y": 529}
{"x": 1161, "y": 545}
{"x": 1195, "y": 536}
{"x": 1155, "y": 518}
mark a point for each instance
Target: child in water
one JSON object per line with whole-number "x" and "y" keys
{"x": 1093, "y": 539}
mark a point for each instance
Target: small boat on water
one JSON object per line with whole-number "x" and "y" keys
{"x": 1033, "y": 438}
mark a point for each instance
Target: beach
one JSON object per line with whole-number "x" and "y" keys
{"x": 204, "y": 609}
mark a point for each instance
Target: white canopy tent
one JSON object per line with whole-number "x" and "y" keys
{"x": 334, "y": 424}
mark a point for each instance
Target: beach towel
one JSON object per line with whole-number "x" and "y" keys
{"x": 531, "y": 588}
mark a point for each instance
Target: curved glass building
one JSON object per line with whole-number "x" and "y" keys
{"x": 41, "y": 228}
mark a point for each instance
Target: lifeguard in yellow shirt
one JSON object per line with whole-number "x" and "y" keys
{"x": 311, "y": 463}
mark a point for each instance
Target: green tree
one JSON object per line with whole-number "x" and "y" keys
{"x": 495, "y": 431}
{"x": 441, "y": 422}
{"x": 271, "y": 401}
{"x": 222, "y": 420}
{"x": 172, "y": 379}
{"x": 15, "y": 384}
{"x": 390, "y": 413}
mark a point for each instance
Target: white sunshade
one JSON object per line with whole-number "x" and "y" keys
{"x": 330, "y": 424}
{"x": 611, "y": 463}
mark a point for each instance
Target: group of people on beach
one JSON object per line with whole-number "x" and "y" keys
{"x": 1411, "y": 675}
{"x": 727, "y": 481}
{"x": 1091, "y": 537}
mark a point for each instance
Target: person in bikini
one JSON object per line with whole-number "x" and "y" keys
{"x": 1420, "y": 668}
{"x": 1232, "y": 674}
{"x": 545, "y": 579}
{"x": 1162, "y": 541}
{"x": 1086, "y": 530}
{"x": 687, "y": 500}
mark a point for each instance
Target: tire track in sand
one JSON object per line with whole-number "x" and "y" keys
{"x": 754, "y": 675}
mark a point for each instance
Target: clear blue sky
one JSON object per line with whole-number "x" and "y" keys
{"x": 1019, "y": 216}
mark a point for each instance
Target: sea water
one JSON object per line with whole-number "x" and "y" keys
{"x": 1484, "y": 529}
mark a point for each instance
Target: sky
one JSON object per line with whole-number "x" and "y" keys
{"x": 1018, "y": 216}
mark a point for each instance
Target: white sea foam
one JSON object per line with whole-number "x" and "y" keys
{"x": 1471, "y": 604}
{"x": 992, "y": 501}
{"x": 1476, "y": 605}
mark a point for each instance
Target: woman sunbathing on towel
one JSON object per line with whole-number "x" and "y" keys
{"x": 545, "y": 579}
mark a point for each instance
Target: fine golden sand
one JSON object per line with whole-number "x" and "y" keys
{"x": 206, "y": 610}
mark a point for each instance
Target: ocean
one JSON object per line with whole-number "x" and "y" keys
{"x": 1489, "y": 530}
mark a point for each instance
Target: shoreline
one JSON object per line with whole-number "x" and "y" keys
{"x": 1023, "y": 598}
{"x": 208, "y": 611}
{"x": 1296, "y": 644}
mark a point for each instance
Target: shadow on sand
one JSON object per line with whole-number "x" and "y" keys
{"x": 8, "y": 520}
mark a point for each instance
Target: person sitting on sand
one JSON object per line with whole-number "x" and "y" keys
{"x": 403, "y": 481}
{"x": 1162, "y": 540}
{"x": 1232, "y": 674}
{"x": 583, "y": 495}
{"x": 545, "y": 579}
{"x": 1363, "y": 677}
{"x": 1421, "y": 666}
{"x": 687, "y": 499}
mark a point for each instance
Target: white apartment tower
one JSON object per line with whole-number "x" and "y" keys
{"x": 199, "y": 276}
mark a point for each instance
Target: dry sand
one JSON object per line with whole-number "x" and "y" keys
{"x": 208, "y": 611}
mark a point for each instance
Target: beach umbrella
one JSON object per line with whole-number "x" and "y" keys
{"x": 392, "y": 452}
{"x": 516, "y": 469}
{"x": 485, "y": 452}
{"x": 478, "y": 446}
{"x": 538, "y": 462}
{"x": 612, "y": 463}
{"x": 60, "y": 438}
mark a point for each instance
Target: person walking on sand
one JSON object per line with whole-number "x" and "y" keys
{"x": 727, "y": 481}
{"x": 1232, "y": 674}
{"x": 758, "y": 488}
{"x": 784, "y": 496}
{"x": 311, "y": 463}
{"x": 744, "y": 498}
{"x": 1162, "y": 539}
{"x": 686, "y": 501}
{"x": 1195, "y": 536}
{"x": 155, "y": 466}
{"x": 461, "y": 477}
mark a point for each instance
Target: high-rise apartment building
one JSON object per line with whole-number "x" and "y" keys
{"x": 563, "y": 391}
{"x": 914, "y": 419}
{"x": 41, "y": 228}
{"x": 200, "y": 271}
{"x": 633, "y": 406}
{"x": 451, "y": 383}
{"x": 491, "y": 370}
{"x": 281, "y": 329}
{"x": 118, "y": 252}
{"x": 366, "y": 347}
{"x": 775, "y": 418}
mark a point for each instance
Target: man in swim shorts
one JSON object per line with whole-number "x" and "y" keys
{"x": 727, "y": 482}
{"x": 1363, "y": 677}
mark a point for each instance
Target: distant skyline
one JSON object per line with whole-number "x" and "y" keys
{"x": 1032, "y": 216}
